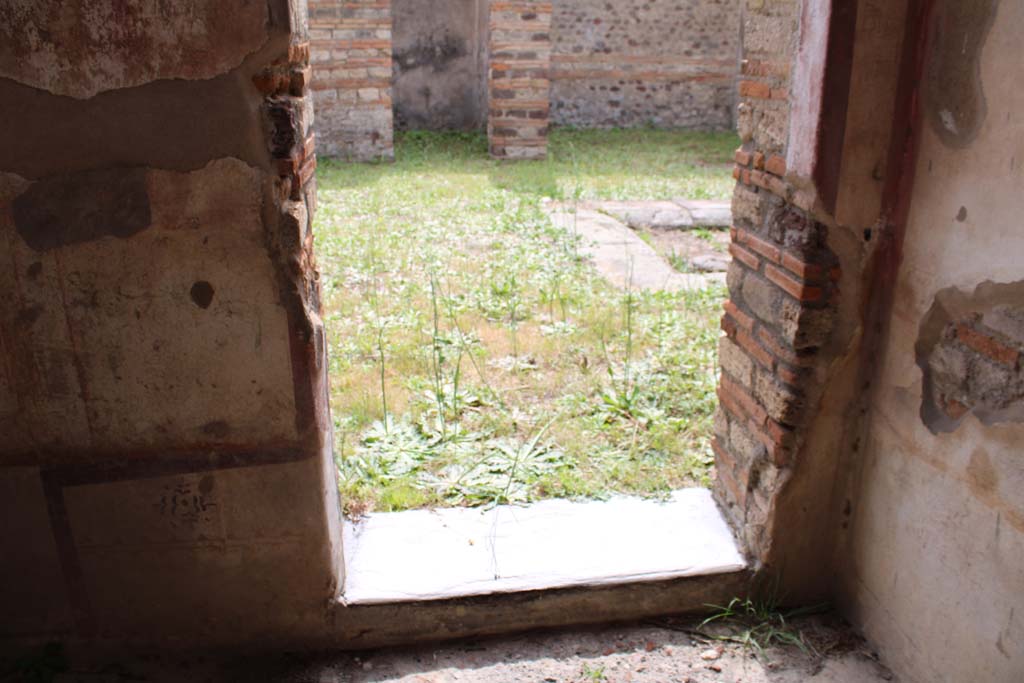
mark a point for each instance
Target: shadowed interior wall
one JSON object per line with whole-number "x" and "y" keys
{"x": 440, "y": 64}
{"x": 933, "y": 549}
{"x": 165, "y": 461}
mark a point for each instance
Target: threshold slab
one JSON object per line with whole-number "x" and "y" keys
{"x": 460, "y": 552}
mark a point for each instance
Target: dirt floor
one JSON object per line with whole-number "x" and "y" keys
{"x": 661, "y": 651}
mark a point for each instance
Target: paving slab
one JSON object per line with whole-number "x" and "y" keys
{"x": 646, "y": 214}
{"x": 622, "y": 256}
{"x": 711, "y": 263}
{"x": 677, "y": 214}
{"x": 712, "y": 213}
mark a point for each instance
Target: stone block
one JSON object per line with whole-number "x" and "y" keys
{"x": 804, "y": 327}
{"x": 744, "y": 444}
{"x": 734, "y": 361}
{"x": 762, "y": 298}
{"x": 783, "y": 404}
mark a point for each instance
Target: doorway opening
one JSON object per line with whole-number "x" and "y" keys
{"x": 502, "y": 334}
{"x": 532, "y": 314}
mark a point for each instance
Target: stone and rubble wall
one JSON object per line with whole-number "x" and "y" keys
{"x": 351, "y": 42}
{"x": 781, "y": 292}
{"x": 664, "y": 63}
{"x": 595, "y": 64}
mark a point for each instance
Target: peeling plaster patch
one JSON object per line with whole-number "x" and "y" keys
{"x": 971, "y": 354}
{"x": 73, "y": 208}
{"x": 84, "y": 48}
{"x": 949, "y": 121}
{"x": 954, "y": 98}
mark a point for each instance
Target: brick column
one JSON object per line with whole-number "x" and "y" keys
{"x": 781, "y": 308}
{"x": 518, "y": 85}
{"x": 782, "y": 293}
{"x": 351, "y": 54}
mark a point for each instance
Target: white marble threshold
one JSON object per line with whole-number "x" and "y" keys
{"x": 461, "y": 552}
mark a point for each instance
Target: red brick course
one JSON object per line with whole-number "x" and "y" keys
{"x": 796, "y": 265}
{"x": 798, "y": 290}
{"x": 987, "y": 346}
{"x": 745, "y": 257}
{"x": 766, "y": 249}
{"x": 755, "y": 89}
{"x": 776, "y": 165}
{"x": 742, "y": 319}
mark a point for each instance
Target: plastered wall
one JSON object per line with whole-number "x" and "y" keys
{"x": 932, "y": 559}
{"x": 440, "y": 64}
{"x": 165, "y": 471}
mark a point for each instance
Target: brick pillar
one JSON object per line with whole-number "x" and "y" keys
{"x": 781, "y": 308}
{"x": 518, "y": 85}
{"x": 782, "y": 295}
{"x": 351, "y": 54}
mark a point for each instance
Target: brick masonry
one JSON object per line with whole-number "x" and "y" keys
{"x": 770, "y": 29}
{"x": 288, "y": 106}
{"x": 783, "y": 291}
{"x": 518, "y": 85}
{"x": 975, "y": 366}
{"x": 351, "y": 52}
{"x": 638, "y": 62}
{"x": 586, "y": 63}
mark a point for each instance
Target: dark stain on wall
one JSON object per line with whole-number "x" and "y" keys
{"x": 83, "y": 206}
{"x": 430, "y": 103}
{"x": 954, "y": 97}
{"x": 175, "y": 125}
{"x": 435, "y": 52}
{"x": 439, "y": 74}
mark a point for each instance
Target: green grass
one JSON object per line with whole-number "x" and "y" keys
{"x": 758, "y": 625}
{"x": 476, "y": 358}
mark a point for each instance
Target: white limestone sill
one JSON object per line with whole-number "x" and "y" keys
{"x": 460, "y": 552}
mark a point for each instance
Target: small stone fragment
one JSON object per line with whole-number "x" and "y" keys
{"x": 711, "y": 655}
{"x": 710, "y": 263}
